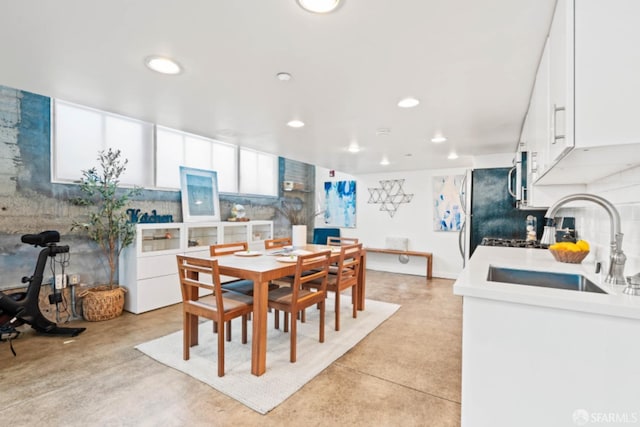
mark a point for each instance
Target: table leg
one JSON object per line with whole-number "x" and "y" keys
{"x": 259, "y": 337}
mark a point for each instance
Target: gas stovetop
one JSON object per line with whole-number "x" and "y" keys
{"x": 510, "y": 243}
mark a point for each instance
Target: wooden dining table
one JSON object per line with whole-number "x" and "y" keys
{"x": 261, "y": 269}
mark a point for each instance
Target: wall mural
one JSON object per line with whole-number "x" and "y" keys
{"x": 447, "y": 208}
{"x": 340, "y": 203}
{"x": 390, "y": 195}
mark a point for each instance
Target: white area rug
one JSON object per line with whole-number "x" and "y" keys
{"x": 282, "y": 378}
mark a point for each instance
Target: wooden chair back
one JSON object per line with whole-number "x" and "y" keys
{"x": 227, "y": 248}
{"x": 341, "y": 241}
{"x": 277, "y": 243}
{"x": 190, "y": 270}
{"x": 348, "y": 266}
{"x": 311, "y": 267}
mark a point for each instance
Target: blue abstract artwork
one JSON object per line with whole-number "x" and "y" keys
{"x": 340, "y": 203}
{"x": 447, "y": 210}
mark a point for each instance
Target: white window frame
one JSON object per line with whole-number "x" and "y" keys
{"x": 151, "y": 161}
{"x": 144, "y": 145}
{"x": 269, "y": 190}
{"x": 230, "y": 185}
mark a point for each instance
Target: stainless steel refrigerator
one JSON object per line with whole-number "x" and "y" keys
{"x": 490, "y": 209}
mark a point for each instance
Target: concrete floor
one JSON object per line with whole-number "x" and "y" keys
{"x": 406, "y": 372}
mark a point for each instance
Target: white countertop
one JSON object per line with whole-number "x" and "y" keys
{"x": 472, "y": 282}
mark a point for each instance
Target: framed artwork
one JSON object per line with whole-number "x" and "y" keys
{"x": 340, "y": 203}
{"x": 200, "y": 200}
{"x": 447, "y": 209}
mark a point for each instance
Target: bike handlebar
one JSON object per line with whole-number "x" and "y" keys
{"x": 53, "y": 250}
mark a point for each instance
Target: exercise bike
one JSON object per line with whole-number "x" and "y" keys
{"x": 22, "y": 307}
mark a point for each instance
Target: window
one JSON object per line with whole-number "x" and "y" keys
{"x": 175, "y": 148}
{"x": 81, "y": 132}
{"x": 258, "y": 173}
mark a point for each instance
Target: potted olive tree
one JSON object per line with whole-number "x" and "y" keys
{"x": 108, "y": 225}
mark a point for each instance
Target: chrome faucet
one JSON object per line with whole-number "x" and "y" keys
{"x": 617, "y": 258}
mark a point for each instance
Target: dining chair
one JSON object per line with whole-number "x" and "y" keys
{"x": 277, "y": 242}
{"x": 347, "y": 272}
{"x": 320, "y": 235}
{"x": 242, "y": 286}
{"x": 292, "y": 300}
{"x": 221, "y": 307}
{"x": 341, "y": 241}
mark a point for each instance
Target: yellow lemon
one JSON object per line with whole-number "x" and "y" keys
{"x": 583, "y": 245}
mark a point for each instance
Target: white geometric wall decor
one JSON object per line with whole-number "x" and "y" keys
{"x": 390, "y": 195}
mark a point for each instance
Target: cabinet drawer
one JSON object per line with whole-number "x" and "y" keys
{"x": 156, "y": 266}
{"x": 157, "y": 292}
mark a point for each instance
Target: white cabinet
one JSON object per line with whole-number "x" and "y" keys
{"x": 593, "y": 91}
{"x": 148, "y": 267}
{"x": 559, "y": 139}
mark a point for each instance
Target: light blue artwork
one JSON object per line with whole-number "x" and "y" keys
{"x": 340, "y": 203}
{"x": 447, "y": 209}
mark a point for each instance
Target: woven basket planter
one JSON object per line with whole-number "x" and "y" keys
{"x": 102, "y": 303}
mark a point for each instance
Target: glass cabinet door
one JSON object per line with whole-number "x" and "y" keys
{"x": 162, "y": 238}
{"x": 202, "y": 236}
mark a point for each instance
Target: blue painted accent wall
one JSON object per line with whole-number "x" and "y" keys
{"x": 38, "y": 204}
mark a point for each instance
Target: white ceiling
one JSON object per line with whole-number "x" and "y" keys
{"x": 471, "y": 63}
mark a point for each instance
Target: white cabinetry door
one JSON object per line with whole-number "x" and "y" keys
{"x": 560, "y": 138}
{"x": 607, "y": 72}
{"x": 541, "y": 111}
{"x": 595, "y": 57}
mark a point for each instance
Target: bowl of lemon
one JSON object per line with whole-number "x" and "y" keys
{"x": 570, "y": 252}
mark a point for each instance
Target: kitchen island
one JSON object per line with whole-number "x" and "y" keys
{"x": 534, "y": 356}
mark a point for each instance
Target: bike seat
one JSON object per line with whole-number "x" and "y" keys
{"x": 41, "y": 239}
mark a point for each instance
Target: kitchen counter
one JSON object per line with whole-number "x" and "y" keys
{"x": 472, "y": 282}
{"x": 534, "y": 356}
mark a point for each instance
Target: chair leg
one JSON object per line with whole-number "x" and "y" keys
{"x": 228, "y": 325}
{"x": 244, "y": 329}
{"x": 286, "y": 321}
{"x": 186, "y": 336}
{"x": 354, "y": 293}
{"x": 276, "y": 319}
{"x": 215, "y": 327}
{"x": 322, "y": 310}
{"x": 221, "y": 351}
{"x": 294, "y": 328}
{"x": 337, "y": 309}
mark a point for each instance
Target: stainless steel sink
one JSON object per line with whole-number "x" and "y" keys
{"x": 574, "y": 282}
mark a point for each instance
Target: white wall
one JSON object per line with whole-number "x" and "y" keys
{"x": 412, "y": 220}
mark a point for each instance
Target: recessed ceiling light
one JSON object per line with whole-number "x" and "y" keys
{"x": 408, "y": 102}
{"x": 295, "y": 123}
{"x": 319, "y": 6}
{"x": 452, "y": 155}
{"x": 162, "y": 65}
{"x": 354, "y": 147}
{"x": 283, "y": 77}
{"x": 438, "y": 139}
{"x": 384, "y": 161}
